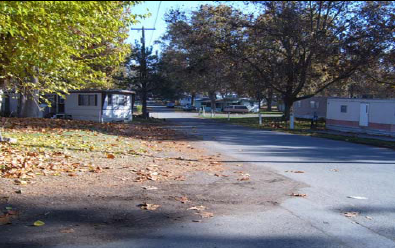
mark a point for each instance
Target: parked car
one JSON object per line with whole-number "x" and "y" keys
{"x": 170, "y": 105}
{"x": 188, "y": 107}
{"x": 236, "y": 109}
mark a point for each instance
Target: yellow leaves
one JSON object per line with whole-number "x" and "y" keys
{"x": 38, "y": 223}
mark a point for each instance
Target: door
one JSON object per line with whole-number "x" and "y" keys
{"x": 364, "y": 115}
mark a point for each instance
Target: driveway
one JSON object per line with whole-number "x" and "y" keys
{"x": 335, "y": 174}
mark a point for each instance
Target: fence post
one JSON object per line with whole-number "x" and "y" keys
{"x": 204, "y": 112}
{"x": 260, "y": 119}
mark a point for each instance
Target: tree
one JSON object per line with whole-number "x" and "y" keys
{"x": 141, "y": 73}
{"x": 317, "y": 44}
{"x": 52, "y": 47}
{"x": 195, "y": 39}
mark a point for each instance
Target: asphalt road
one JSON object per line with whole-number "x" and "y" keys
{"x": 333, "y": 171}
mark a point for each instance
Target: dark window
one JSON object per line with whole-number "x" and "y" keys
{"x": 87, "y": 100}
{"x": 343, "y": 108}
{"x": 241, "y": 107}
{"x": 109, "y": 96}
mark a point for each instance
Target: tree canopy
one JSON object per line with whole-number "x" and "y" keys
{"x": 62, "y": 44}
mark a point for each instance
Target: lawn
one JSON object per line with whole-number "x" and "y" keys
{"x": 69, "y": 147}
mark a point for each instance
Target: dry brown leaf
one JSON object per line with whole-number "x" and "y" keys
{"x": 351, "y": 214}
{"x": 67, "y": 230}
{"x": 5, "y": 219}
{"x": 148, "y": 206}
{"x": 110, "y": 156}
{"x": 298, "y": 195}
{"x": 198, "y": 208}
{"x": 149, "y": 187}
{"x": 206, "y": 214}
{"x": 182, "y": 199}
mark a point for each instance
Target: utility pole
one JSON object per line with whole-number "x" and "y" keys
{"x": 143, "y": 72}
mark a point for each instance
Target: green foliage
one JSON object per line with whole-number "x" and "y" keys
{"x": 65, "y": 44}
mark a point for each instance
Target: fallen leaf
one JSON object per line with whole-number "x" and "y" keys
{"x": 149, "y": 187}
{"x": 38, "y": 223}
{"x": 298, "y": 195}
{"x": 351, "y": 214}
{"x": 20, "y": 182}
{"x": 357, "y": 197}
{"x": 67, "y": 230}
{"x": 198, "y": 208}
{"x": 182, "y": 199}
{"x": 5, "y": 219}
{"x": 148, "y": 206}
{"x": 206, "y": 214}
{"x": 111, "y": 156}
{"x": 369, "y": 218}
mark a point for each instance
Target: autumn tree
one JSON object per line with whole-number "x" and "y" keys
{"x": 316, "y": 44}
{"x": 52, "y": 47}
{"x": 195, "y": 37}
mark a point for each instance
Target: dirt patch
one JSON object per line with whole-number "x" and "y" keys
{"x": 153, "y": 178}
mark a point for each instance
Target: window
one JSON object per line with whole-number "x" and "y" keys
{"x": 299, "y": 104}
{"x": 121, "y": 100}
{"x": 312, "y": 104}
{"x": 343, "y": 108}
{"x": 109, "y": 99}
{"x": 87, "y": 100}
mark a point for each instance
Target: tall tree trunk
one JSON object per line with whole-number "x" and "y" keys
{"x": 212, "y": 100}
{"x": 29, "y": 105}
{"x": 192, "y": 98}
{"x": 288, "y": 102}
{"x": 29, "y": 101}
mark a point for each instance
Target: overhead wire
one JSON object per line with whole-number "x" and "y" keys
{"x": 156, "y": 18}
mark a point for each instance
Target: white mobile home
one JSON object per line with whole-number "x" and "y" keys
{"x": 372, "y": 116}
{"x": 308, "y": 108}
{"x": 100, "y": 105}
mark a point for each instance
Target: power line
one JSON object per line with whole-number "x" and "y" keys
{"x": 156, "y": 18}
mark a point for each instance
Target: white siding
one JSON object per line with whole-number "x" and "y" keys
{"x": 88, "y": 113}
{"x": 117, "y": 112}
{"x": 380, "y": 111}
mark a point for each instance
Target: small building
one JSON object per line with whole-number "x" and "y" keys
{"x": 309, "y": 107}
{"x": 90, "y": 105}
{"x": 100, "y": 105}
{"x": 371, "y": 116}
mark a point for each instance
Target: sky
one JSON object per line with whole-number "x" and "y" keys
{"x": 160, "y": 26}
